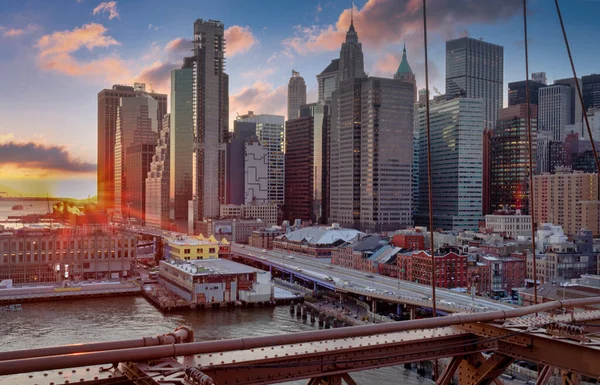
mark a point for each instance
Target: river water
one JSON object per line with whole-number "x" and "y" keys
{"x": 107, "y": 319}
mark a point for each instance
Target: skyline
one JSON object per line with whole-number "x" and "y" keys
{"x": 57, "y": 59}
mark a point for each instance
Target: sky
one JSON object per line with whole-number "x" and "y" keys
{"x": 55, "y": 56}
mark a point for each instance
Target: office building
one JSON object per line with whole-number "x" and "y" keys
{"x": 517, "y": 92}
{"x": 236, "y": 164}
{"x": 299, "y": 162}
{"x": 509, "y": 159}
{"x": 557, "y": 156}
{"x": 387, "y": 107}
{"x": 351, "y": 64}
{"x": 576, "y": 109}
{"x": 181, "y": 144}
{"x": 232, "y": 229}
{"x": 554, "y": 110}
{"x": 509, "y": 223}
{"x": 405, "y": 73}
{"x": 256, "y": 173}
{"x": 296, "y": 95}
{"x": 269, "y": 130}
{"x": 135, "y": 140}
{"x": 320, "y": 117}
{"x": 266, "y": 212}
{"x": 328, "y": 81}
{"x": 580, "y": 127}
{"x": 456, "y": 130}
{"x": 591, "y": 91}
{"x": 543, "y": 140}
{"x": 211, "y": 118}
{"x": 475, "y": 69}
{"x": 108, "y": 102}
{"x": 567, "y": 199}
{"x": 486, "y": 169}
{"x": 539, "y": 77}
{"x": 158, "y": 178}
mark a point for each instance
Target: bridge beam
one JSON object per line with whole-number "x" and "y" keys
{"x": 544, "y": 375}
{"x": 475, "y": 369}
{"x": 570, "y": 378}
{"x": 448, "y": 374}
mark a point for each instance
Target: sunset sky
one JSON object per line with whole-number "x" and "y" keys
{"x": 55, "y": 56}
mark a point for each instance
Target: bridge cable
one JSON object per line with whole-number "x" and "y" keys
{"x": 530, "y": 148}
{"x": 429, "y": 184}
{"x": 579, "y": 94}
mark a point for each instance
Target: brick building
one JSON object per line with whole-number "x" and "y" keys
{"x": 451, "y": 269}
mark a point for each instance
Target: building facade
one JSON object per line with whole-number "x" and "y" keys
{"x": 510, "y": 224}
{"x": 135, "y": 140}
{"x": 109, "y": 101}
{"x": 554, "y": 110}
{"x": 327, "y": 81}
{"x": 591, "y": 91}
{"x": 562, "y": 198}
{"x": 456, "y": 131}
{"x": 509, "y": 159}
{"x": 181, "y": 144}
{"x": 236, "y": 162}
{"x": 475, "y": 69}
{"x": 193, "y": 248}
{"x": 300, "y": 170}
{"x": 270, "y": 133}
{"x": 296, "y": 95}
{"x": 450, "y": 269}
{"x": 90, "y": 252}
{"x": 351, "y": 64}
{"x": 517, "y": 92}
{"x": 210, "y": 118}
{"x": 256, "y": 173}
{"x": 266, "y": 212}
{"x": 158, "y": 179}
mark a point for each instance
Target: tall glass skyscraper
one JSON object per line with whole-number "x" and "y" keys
{"x": 456, "y": 164}
{"x": 296, "y": 95}
{"x": 475, "y": 69}
{"x": 181, "y": 145}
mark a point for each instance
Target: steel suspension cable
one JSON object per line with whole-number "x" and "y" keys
{"x": 580, "y": 95}
{"x": 530, "y": 148}
{"x": 429, "y": 184}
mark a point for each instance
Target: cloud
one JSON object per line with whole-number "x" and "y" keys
{"x": 260, "y": 97}
{"x": 445, "y": 17}
{"x": 318, "y": 10}
{"x": 38, "y": 156}
{"x": 14, "y": 32}
{"x": 56, "y": 53}
{"x": 154, "y": 27}
{"x": 158, "y": 75}
{"x": 107, "y": 6}
{"x": 239, "y": 40}
{"x": 179, "y": 45}
{"x": 258, "y": 73}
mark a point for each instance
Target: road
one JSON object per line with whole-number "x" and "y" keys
{"x": 373, "y": 285}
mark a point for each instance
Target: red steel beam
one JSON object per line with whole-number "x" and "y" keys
{"x": 149, "y": 353}
{"x": 181, "y": 334}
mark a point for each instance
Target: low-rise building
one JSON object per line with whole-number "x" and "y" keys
{"x": 215, "y": 281}
{"x": 267, "y": 212}
{"x": 234, "y": 230}
{"x": 414, "y": 240}
{"x": 264, "y": 238}
{"x": 315, "y": 241}
{"x": 509, "y": 224}
{"x": 451, "y": 269}
{"x": 189, "y": 248}
{"x": 88, "y": 252}
{"x": 506, "y": 273}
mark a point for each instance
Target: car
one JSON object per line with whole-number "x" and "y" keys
{"x": 263, "y": 258}
{"x": 329, "y": 279}
{"x": 290, "y": 257}
{"x": 298, "y": 269}
{"x": 369, "y": 275}
{"x": 329, "y": 267}
{"x": 264, "y": 250}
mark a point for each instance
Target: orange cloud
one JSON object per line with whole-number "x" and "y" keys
{"x": 13, "y": 32}
{"x": 158, "y": 75}
{"x": 107, "y": 6}
{"x": 260, "y": 97}
{"x": 239, "y": 40}
{"x": 382, "y": 22}
{"x": 179, "y": 44}
{"x": 56, "y": 53}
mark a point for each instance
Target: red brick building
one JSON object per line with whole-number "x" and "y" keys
{"x": 264, "y": 238}
{"x": 506, "y": 273}
{"x": 451, "y": 269}
{"x": 414, "y": 241}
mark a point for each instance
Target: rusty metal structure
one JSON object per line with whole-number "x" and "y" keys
{"x": 481, "y": 346}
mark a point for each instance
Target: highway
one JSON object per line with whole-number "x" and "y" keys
{"x": 372, "y": 285}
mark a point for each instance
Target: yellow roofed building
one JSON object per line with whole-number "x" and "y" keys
{"x": 189, "y": 248}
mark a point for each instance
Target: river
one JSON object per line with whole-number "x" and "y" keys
{"x": 106, "y": 319}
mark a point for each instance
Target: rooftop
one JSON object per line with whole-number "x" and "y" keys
{"x": 321, "y": 235}
{"x": 212, "y": 267}
{"x": 332, "y": 67}
{"x": 196, "y": 241}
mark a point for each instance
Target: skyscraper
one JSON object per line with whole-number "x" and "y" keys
{"x": 539, "y": 77}
{"x": 517, "y": 92}
{"x": 242, "y": 133}
{"x": 576, "y": 106}
{"x": 296, "y": 95}
{"x": 591, "y": 91}
{"x": 211, "y": 118}
{"x": 157, "y": 181}
{"x": 256, "y": 172}
{"x": 351, "y": 64}
{"x": 299, "y": 169}
{"x": 554, "y": 110}
{"x": 456, "y": 131}
{"x": 108, "y": 103}
{"x": 509, "y": 159}
{"x": 475, "y": 69}
{"x": 370, "y": 156}
{"x": 135, "y": 139}
{"x": 328, "y": 81}
{"x": 269, "y": 130}
{"x": 405, "y": 73}
{"x": 181, "y": 145}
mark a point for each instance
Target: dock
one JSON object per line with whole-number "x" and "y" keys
{"x": 24, "y": 294}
